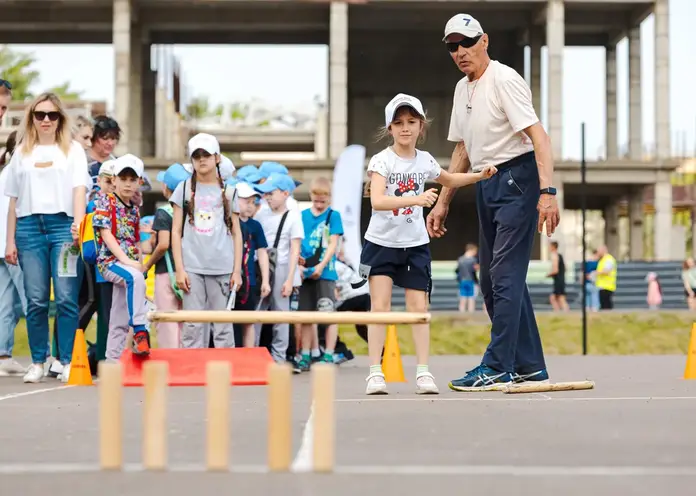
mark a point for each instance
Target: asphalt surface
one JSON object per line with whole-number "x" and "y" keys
{"x": 632, "y": 434}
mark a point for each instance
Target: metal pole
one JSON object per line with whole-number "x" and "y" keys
{"x": 583, "y": 207}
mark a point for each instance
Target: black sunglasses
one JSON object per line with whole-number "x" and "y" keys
{"x": 465, "y": 42}
{"x": 6, "y": 84}
{"x": 106, "y": 124}
{"x": 52, "y": 116}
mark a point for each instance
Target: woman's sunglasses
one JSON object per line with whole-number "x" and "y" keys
{"x": 6, "y": 84}
{"x": 52, "y": 116}
{"x": 465, "y": 42}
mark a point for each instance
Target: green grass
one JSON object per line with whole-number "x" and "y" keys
{"x": 629, "y": 333}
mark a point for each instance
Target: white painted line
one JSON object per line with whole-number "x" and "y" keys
{"x": 418, "y": 470}
{"x": 304, "y": 460}
{"x": 32, "y": 392}
{"x": 523, "y": 399}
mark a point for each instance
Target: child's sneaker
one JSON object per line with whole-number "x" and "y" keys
{"x": 540, "y": 377}
{"x": 482, "y": 378}
{"x": 376, "y": 384}
{"x": 141, "y": 343}
{"x": 327, "y": 358}
{"x": 425, "y": 384}
{"x": 304, "y": 365}
{"x": 65, "y": 374}
{"x": 35, "y": 373}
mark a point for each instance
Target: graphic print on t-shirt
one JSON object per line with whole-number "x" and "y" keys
{"x": 204, "y": 220}
{"x": 406, "y": 185}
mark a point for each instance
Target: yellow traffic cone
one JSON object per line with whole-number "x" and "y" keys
{"x": 392, "y": 367}
{"x": 80, "y": 374}
{"x": 690, "y": 369}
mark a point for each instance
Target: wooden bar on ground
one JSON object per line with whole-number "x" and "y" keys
{"x": 218, "y": 407}
{"x": 278, "y": 317}
{"x": 155, "y": 415}
{"x": 548, "y": 387}
{"x": 110, "y": 416}
{"x": 323, "y": 392}
{"x": 279, "y": 417}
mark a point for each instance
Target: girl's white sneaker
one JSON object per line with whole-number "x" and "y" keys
{"x": 35, "y": 373}
{"x": 376, "y": 384}
{"x": 425, "y": 384}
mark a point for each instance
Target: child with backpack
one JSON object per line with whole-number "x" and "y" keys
{"x": 116, "y": 220}
{"x": 255, "y": 283}
{"x": 168, "y": 296}
{"x": 206, "y": 243}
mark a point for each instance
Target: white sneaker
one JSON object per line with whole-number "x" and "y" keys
{"x": 10, "y": 366}
{"x": 55, "y": 370}
{"x": 425, "y": 384}
{"x": 65, "y": 375}
{"x": 35, "y": 373}
{"x": 376, "y": 384}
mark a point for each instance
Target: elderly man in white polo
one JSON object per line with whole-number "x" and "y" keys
{"x": 494, "y": 123}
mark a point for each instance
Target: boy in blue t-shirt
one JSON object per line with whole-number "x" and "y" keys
{"x": 323, "y": 228}
{"x": 255, "y": 285}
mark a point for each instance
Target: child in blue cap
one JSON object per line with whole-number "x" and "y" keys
{"x": 167, "y": 293}
{"x": 283, "y": 229}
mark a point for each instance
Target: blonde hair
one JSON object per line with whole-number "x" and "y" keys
{"x": 321, "y": 184}
{"x": 28, "y": 136}
{"x": 80, "y": 122}
{"x": 383, "y": 131}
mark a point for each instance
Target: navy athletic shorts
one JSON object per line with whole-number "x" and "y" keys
{"x": 409, "y": 268}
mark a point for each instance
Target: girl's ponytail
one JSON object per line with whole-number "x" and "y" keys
{"x": 225, "y": 204}
{"x": 192, "y": 201}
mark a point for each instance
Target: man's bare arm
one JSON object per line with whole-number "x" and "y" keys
{"x": 542, "y": 150}
{"x": 459, "y": 163}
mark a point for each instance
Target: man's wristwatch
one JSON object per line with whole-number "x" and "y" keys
{"x": 548, "y": 191}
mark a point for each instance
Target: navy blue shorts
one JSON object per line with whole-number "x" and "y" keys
{"x": 409, "y": 268}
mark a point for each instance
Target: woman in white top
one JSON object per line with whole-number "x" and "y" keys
{"x": 47, "y": 183}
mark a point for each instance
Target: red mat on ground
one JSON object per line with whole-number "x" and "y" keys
{"x": 187, "y": 366}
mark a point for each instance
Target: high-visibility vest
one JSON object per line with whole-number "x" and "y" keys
{"x": 606, "y": 281}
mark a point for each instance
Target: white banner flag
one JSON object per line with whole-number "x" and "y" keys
{"x": 347, "y": 198}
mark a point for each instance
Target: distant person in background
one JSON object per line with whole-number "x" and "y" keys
{"x": 557, "y": 298}
{"x": 467, "y": 266}
{"x": 13, "y": 302}
{"x": 590, "y": 277}
{"x": 606, "y": 278}
{"x": 82, "y": 132}
{"x": 654, "y": 297}
{"x": 688, "y": 276}
{"x": 47, "y": 185}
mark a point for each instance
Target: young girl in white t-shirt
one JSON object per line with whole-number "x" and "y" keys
{"x": 396, "y": 248}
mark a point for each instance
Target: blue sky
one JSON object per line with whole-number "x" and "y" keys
{"x": 583, "y": 73}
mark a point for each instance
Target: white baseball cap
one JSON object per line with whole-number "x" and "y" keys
{"x": 107, "y": 168}
{"x": 204, "y": 141}
{"x": 399, "y": 101}
{"x": 245, "y": 190}
{"x": 129, "y": 161}
{"x": 463, "y": 24}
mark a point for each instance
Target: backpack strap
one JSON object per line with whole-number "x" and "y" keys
{"x": 280, "y": 229}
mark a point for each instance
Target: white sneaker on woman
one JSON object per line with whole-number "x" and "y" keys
{"x": 35, "y": 373}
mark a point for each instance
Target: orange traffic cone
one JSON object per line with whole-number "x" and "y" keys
{"x": 392, "y": 367}
{"x": 80, "y": 374}
{"x": 690, "y": 369}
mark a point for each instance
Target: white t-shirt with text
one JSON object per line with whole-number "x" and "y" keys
{"x": 500, "y": 107}
{"x": 405, "y": 227}
{"x": 43, "y": 181}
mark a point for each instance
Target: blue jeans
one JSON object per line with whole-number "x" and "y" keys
{"x": 506, "y": 205}
{"x": 39, "y": 240}
{"x": 592, "y": 300}
{"x": 13, "y": 304}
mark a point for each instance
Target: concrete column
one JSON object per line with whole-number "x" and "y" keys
{"x": 635, "y": 220}
{"x": 321, "y": 135}
{"x": 555, "y": 42}
{"x": 612, "y": 150}
{"x": 635, "y": 129}
{"x": 338, "y": 79}
{"x": 611, "y": 228}
{"x": 663, "y": 219}
{"x": 148, "y": 104}
{"x": 135, "y": 117}
{"x": 535, "y": 71}
{"x": 122, "y": 70}
{"x": 662, "y": 127}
